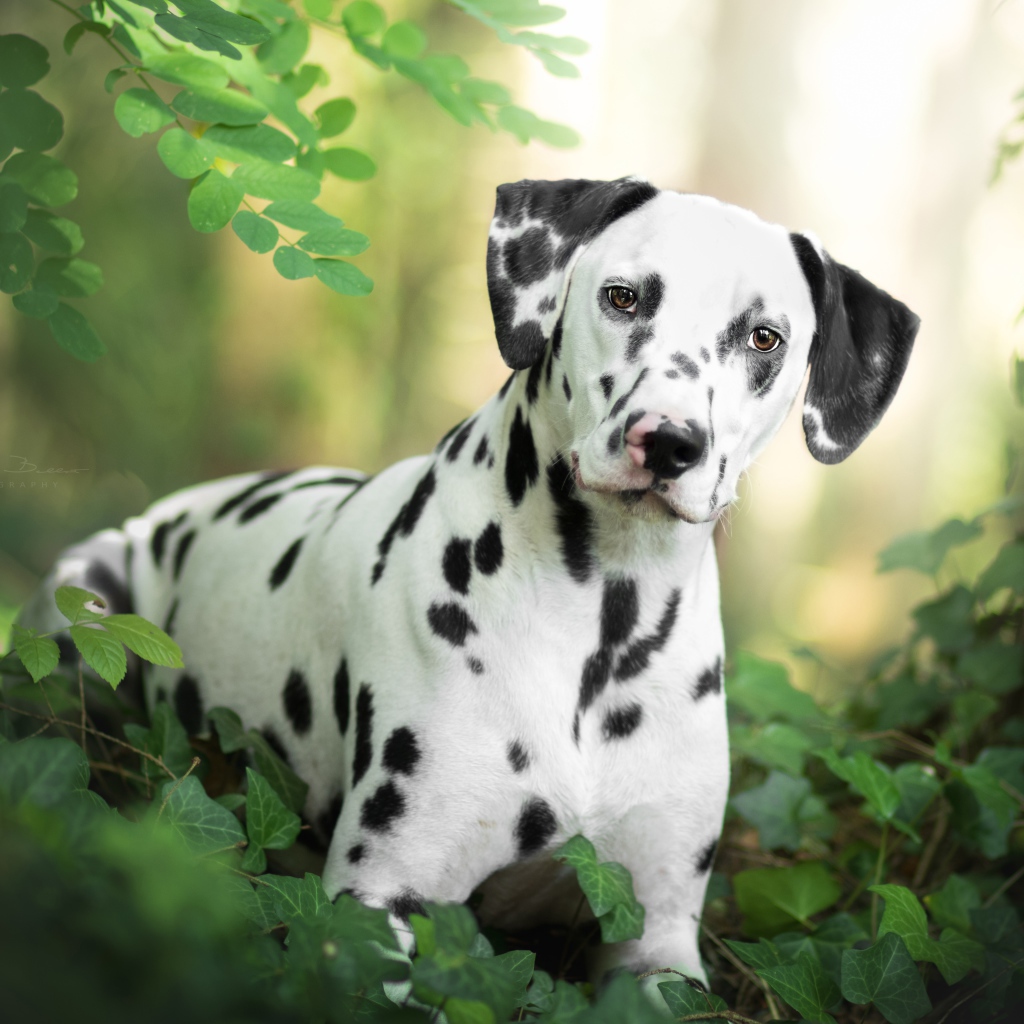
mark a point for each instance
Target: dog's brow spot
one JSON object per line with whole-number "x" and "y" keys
{"x": 181, "y": 551}
{"x": 458, "y": 441}
{"x": 405, "y": 904}
{"x": 381, "y": 809}
{"x": 535, "y": 827}
{"x": 607, "y": 382}
{"x": 364, "y": 730}
{"x": 705, "y": 354}
{"x": 342, "y": 697}
{"x": 566, "y": 388}
{"x": 706, "y": 857}
{"x": 521, "y": 466}
{"x": 476, "y": 666}
{"x": 456, "y": 565}
{"x": 573, "y": 520}
{"x": 517, "y": 757}
{"x": 489, "y": 551}
{"x": 709, "y": 681}
{"x": 275, "y": 744}
{"x": 188, "y": 704}
{"x": 329, "y": 819}
{"x": 529, "y": 257}
{"x": 450, "y": 622}
{"x": 298, "y": 703}
{"x": 356, "y": 853}
{"x": 401, "y": 751}
{"x": 481, "y": 452}
{"x": 284, "y": 564}
{"x": 622, "y": 722}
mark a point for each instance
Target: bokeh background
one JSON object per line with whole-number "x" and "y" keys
{"x": 874, "y": 123}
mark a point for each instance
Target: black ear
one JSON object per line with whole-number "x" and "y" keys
{"x": 537, "y": 228}
{"x": 861, "y": 345}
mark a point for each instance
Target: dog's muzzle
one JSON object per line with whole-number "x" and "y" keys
{"x": 666, "y": 448}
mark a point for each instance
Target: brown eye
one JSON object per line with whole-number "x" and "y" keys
{"x": 621, "y": 298}
{"x": 764, "y": 340}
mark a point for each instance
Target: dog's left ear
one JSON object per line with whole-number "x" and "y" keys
{"x": 861, "y": 345}
{"x": 537, "y": 228}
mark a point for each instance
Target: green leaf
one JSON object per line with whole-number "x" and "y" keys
{"x": 886, "y": 976}
{"x": 75, "y": 33}
{"x": 955, "y": 955}
{"x": 763, "y": 953}
{"x": 242, "y": 144}
{"x": 269, "y": 823}
{"x": 47, "y": 181}
{"x": 906, "y": 703}
{"x": 202, "y": 823}
{"x": 525, "y": 126}
{"x": 403, "y": 39}
{"x": 983, "y": 812}
{"x": 480, "y": 90}
{"x": 254, "y": 860}
{"x": 775, "y": 745}
{"x": 215, "y": 21}
{"x": 28, "y": 121}
{"x": 187, "y": 32}
{"x": 683, "y": 999}
{"x": 283, "y": 51}
{"x": 102, "y": 652}
{"x": 774, "y": 809}
{"x": 289, "y": 787}
{"x": 40, "y": 303}
{"x": 350, "y": 164}
{"x": 300, "y": 83}
{"x": 293, "y": 264}
{"x": 166, "y": 739}
{"x": 16, "y": 263}
{"x": 1007, "y": 570}
{"x": 870, "y": 778}
{"x": 926, "y": 551}
{"x": 353, "y": 921}
{"x": 141, "y": 111}
{"x": 951, "y": 906}
{"x": 113, "y": 77}
{"x": 299, "y": 899}
{"x": 75, "y": 334}
{"x": 301, "y": 216}
{"x": 994, "y": 666}
{"x": 187, "y": 69}
{"x": 805, "y": 986}
{"x": 334, "y": 242}
{"x": 333, "y": 117}
{"x": 363, "y": 18}
{"x": 229, "y": 729}
{"x": 321, "y": 9}
{"x": 183, "y": 154}
{"x": 772, "y": 898}
{"x": 917, "y": 787}
{"x": 826, "y": 942}
{"x": 39, "y": 654}
{"x": 222, "y": 106}
{"x": 70, "y": 278}
{"x": 71, "y": 602}
{"x": 23, "y": 61}
{"x": 948, "y": 620}
{"x": 57, "y": 234}
{"x": 905, "y": 916}
{"x": 258, "y": 233}
{"x": 341, "y": 277}
{"x": 13, "y": 207}
{"x": 608, "y": 887}
{"x": 276, "y": 181}
{"x": 42, "y": 772}
{"x": 762, "y": 689}
{"x": 213, "y": 201}
{"x": 146, "y": 640}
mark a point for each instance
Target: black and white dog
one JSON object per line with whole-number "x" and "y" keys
{"x": 477, "y": 654}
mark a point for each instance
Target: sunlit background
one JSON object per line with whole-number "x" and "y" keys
{"x": 873, "y": 123}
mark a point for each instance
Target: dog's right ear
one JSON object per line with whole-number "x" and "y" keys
{"x": 537, "y": 229}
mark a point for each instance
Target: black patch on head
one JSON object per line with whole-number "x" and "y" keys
{"x": 638, "y": 337}
{"x": 275, "y": 744}
{"x": 188, "y": 704}
{"x": 638, "y": 654}
{"x": 705, "y": 354}
{"x": 521, "y": 459}
{"x": 622, "y": 722}
{"x": 535, "y": 827}
{"x": 298, "y": 703}
{"x": 706, "y": 857}
{"x": 607, "y": 382}
{"x": 401, "y": 752}
{"x": 733, "y": 337}
{"x": 762, "y": 369}
{"x": 686, "y": 364}
{"x": 172, "y": 614}
{"x": 529, "y": 257}
{"x": 243, "y": 496}
{"x": 351, "y": 494}
{"x": 406, "y": 903}
{"x": 481, "y": 452}
{"x": 517, "y": 757}
{"x": 459, "y": 441}
{"x": 709, "y": 681}
{"x": 576, "y": 727}
{"x": 341, "y": 697}
{"x": 632, "y": 419}
{"x": 652, "y": 292}
{"x": 573, "y": 521}
{"x": 476, "y": 666}
{"x": 620, "y": 404}
{"x": 405, "y": 522}
{"x": 456, "y": 565}
{"x": 181, "y": 551}
{"x": 450, "y": 622}
{"x": 284, "y": 564}
{"x": 489, "y": 551}
{"x": 364, "y": 730}
{"x": 566, "y": 388}
{"x": 257, "y": 508}
{"x": 533, "y": 381}
{"x": 548, "y": 363}
{"x": 381, "y": 809}
{"x": 524, "y": 345}
{"x": 355, "y": 853}
{"x": 329, "y": 819}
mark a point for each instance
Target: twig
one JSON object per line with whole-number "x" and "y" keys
{"x": 773, "y": 1006}
{"x": 173, "y": 789}
{"x": 104, "y": 766}
{"x": 941, "y": 821}
{"x": 971, "y": 995}
{"x": 81, "y": 699}
{"x": 1012, "y": 880}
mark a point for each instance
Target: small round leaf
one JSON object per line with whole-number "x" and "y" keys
{"x": 213, "y": 201}
{"x": 334, "y": 242}
{"x": 13, "y": 206}
{"x": 28, "y": 121}
{"x": 73, "y": 279}
{"x": 56, "y": 234}
{"x": 404, "y": 39}
{"x": 349, "y": 163}
{"x": 333, "y": 117}
{"x": 47, "y": 181}
{"x": 258, "y": 233}
{"x": 16, "y": 263}
{"x": 221, "y": 106}
{"x": 23, "y": 61}
{"x": 302, "y": 216}
{"x": 39, "y": 303}
{"x": 186, "y": 69}
{"x": 276, "y": 181}
{"x": 363, "y": 18}
{"x": 342, "y": 277}
{"x": 183, "y": 154}
{"x": 75, "y": 335}
{"x": 282, "y": 52}
{"x": 293, "y": 263}
{"x": 241, "y": 144}
{"x": 139, "y": 112}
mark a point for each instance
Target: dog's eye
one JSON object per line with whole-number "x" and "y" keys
{"x": 764, "y": 340}
{"x": 621, "y": 298}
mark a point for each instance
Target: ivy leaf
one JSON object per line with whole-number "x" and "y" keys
{"x": 905, "y": 916}
{"x": 885, "y": 975}
{"x": 299, "y": 899}
{"x": 868, "y": 777}
{"x": 166, "y": 739}
{"x": 1007, "y": 570}
{"x": 762, "y": 689}
{"x": 146, "y": 640}
{"x": 201, "y": 822}
{"x": 826, "y": 942}
{"x": 213, "y": 201}
{"x": 951, "y": 906}
{"x": 258, "y": 233}
{"x": 763, "y": 953}
{"x": 75, "y": 334}
{"x": 993, "y": 666}
{"x": 955, "y": 954}
{"x": 983, "y": 812}
{"x": 805, "y": 986}
{"x": 926, "y": 551}
{"x": 254, "y": 859}
{"x": 904, "y": 702}
{"x": 141, "y": 111}
{"x": 775, "y": 745}
{"x": 772, "y": 898}
{"x": 777, "y": 808}
{"x": 289, "y": 787}
{"x": 39, "y": 654}
{"x": 102, "y": 652}
{"x": 229, "y": 729}
{"x": 917, "y": 788}
{"x": 269, "y": 823}
{"x": 43, "y": 772}
{"x": 353, "y": 921}
{"x": 683, "y": 999}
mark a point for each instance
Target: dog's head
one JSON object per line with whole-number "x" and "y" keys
{"x": 679, "y": 329}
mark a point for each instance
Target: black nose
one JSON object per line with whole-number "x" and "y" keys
{"x": 672, "y": 449}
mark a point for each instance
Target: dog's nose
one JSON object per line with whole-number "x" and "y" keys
{"x": 667, "y": 449}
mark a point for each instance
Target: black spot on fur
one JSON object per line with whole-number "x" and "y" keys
{"x": 652, "y": 292}
{"x": 275, "y": 744}
{"x": 709, "y": 681}
{"x": 597, "y": 670}
{"x": 450, "y": 622}
{"x": 401, "y": 752}
{"x": 380, "y": 810}
{"x": 459, "y": 441}
{"x": 721, "y": 473}
{"x": 529, "y": 257}
{"x": 733, "y": 337}
{"x": 158, "y": 542}
{"x": 342, "y": 697}
{"x": 620, "y": 404}
{"x": 243, "y": 496}
{"x": 517, "y": 757}
{"x": 535, "y": 827}
{"x": 607, "y": 382}
{"x": 638, "y": 654}
{"x": 573, "y": 521}
{"x": 521, "y": 460}
{"x": 620, "y": 608}
{"x": 181, "y": 551}
{"x": 364, "y": 731}
{"x": 548, "y": 363}
{"x": 489, "y": 551}
{"x": 439, "y": 447}
{"x": 547, "y": 304}
{"x": 257, "y": 508}
{"x": 188, "y": 704}
{"x": 481, "y": 452}
{"x": 566, "y": 388}
{"x": 405, "y": 522}
{"x": 556, "y": 339}
{"x": 614, "y": 441}
{"x": 686, "y": 364}
{"x": 476, "y": 666}
{"x": 407, "y": 903}
{"x": 330, "y": 481}
{"x": 172, "y": 614}
{"x": 638, "y": 337}
{"x": 672, "y": 374}
{"x": 100, "y": 578}
{"x": 503, "y": 390}
{"x": 707, "y": 857}
{"x": 284, "y": 564}
{"x": 762, "y": 370}
{"x": 705, "y": 354}
{"x": 622, "y": 722}
{"x": 329, "y": 819}
{"x": 524, "y": 344}
{"x": 533, "y": 382}
{"x": 456, "y": 564}
{"x": 298, "y": 703}
{"x": 356, "y": 853}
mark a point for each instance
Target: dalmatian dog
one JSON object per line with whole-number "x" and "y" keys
{"x": 481, "y": 652}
